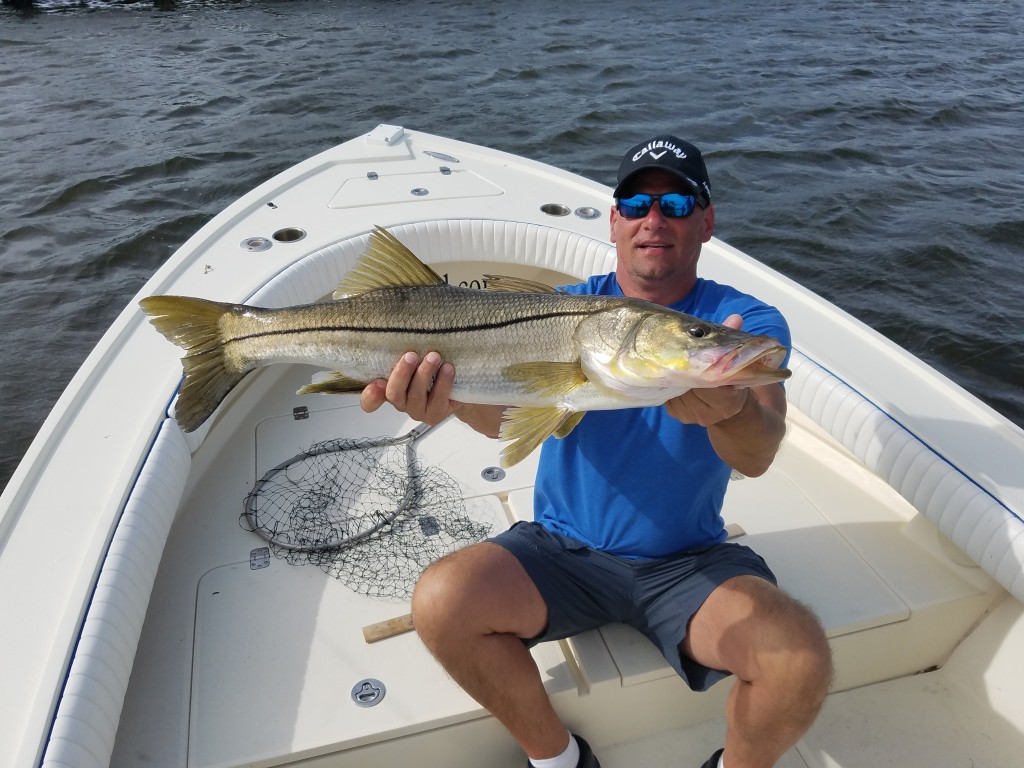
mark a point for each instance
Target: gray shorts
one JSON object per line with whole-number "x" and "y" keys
{"x": 586, "y": 589}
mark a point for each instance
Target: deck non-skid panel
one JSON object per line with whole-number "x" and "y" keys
{"x": 279, "y": 647}
{"x": 278, "y": 653}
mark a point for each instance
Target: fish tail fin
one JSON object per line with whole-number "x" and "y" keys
{"x": 195, "y": 326}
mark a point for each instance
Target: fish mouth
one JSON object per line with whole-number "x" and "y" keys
{"x": 754, "y": 362}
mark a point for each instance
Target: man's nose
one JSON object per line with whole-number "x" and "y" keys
{"x": 654, "y": 217}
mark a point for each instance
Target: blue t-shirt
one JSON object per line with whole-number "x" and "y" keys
{"x": 636, "y": 482}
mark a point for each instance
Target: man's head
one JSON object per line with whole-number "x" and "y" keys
{"x": 675, "y": 156}
{"x": 661, "y": 217}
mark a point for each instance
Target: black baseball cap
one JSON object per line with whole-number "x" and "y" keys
{"x": 671, "y": 154}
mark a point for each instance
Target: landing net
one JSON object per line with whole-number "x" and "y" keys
{"x": 363, "y": 510}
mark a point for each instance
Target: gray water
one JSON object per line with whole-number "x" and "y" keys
{"x": 870, "y": 150}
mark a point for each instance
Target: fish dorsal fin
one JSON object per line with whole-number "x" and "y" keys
{"x": 526, "y": 428}
{"x": 517, "y": 285}
{"x": 387, "y": 263}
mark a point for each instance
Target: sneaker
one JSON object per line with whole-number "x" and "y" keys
{"x": 587, "y": 759}
{"x": 712, "y": 761}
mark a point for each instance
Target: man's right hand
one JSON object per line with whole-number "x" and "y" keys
{"x": 420, "y": 388}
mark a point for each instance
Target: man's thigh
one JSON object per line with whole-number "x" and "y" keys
{"x": 582, "y": 588}
{"x": 672, "y": 592}
{"x": 744, "y": 618}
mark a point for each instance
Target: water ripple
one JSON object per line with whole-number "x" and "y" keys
{"x": 869, "y": 151}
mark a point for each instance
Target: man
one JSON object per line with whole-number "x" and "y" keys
{"x": 627, "y": 514}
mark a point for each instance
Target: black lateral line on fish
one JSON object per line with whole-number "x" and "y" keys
{"x": 407, "y": 329}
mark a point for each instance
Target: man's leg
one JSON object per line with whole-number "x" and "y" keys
{"x": 472, "y": 609}
{"x": 778, "y": 652}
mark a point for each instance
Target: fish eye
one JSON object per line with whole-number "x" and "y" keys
{"x": 699, "y": 330}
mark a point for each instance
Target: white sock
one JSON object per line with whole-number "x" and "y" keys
{"x": 568, "y": 759}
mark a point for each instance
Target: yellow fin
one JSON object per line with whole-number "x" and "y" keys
{"x": 387, "y": 263}
{"x": 334, "y": 383}
{"x": 526, "y": 428}
{"x": 569, "y": 424}
{"x": 546, "y": 378}
{"x": 516, "y": 285}
{"x": 194, "y": 325}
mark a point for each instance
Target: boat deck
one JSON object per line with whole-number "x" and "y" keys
{"x": 237, "y": 640}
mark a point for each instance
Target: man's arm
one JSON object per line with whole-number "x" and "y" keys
{"x": 422, "y": 389}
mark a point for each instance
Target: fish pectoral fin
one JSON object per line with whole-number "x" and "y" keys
{"x": 333, "y": 383}
{"x": 547, "y": 378}
{"x": 516, "y": 285}
{"x": 526, "y": 428}
{"x": 387, "y": 263}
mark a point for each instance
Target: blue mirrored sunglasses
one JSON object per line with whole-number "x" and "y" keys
{"x": 673, "y": 205}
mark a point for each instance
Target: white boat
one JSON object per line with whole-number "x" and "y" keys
{"x": 145, "y": 626}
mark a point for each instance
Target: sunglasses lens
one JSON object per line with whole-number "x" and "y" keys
{"x": 673, "y": 205}
{"x": 676, "y": 206}
{"x": 635, "y": 207}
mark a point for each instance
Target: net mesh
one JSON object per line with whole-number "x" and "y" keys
{"x": 364, "y": 511}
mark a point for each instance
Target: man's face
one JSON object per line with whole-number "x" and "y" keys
{"x": 657, "y": 254}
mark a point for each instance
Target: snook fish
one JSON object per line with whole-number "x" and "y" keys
{"x": 552, "y": 356}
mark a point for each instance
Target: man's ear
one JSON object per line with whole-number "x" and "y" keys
{"x": 709, "y": 223}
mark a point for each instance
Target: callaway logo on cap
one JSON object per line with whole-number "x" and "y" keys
{"x": 668, "y": 153}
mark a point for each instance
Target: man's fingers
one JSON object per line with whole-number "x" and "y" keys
{"x": 418, "y": 387}
{"x": 397, "y": 391}
{"x": 373, "y": 395}
{"x": 734, "y": 321}
{"x": 439, "y": 402}
{"x": 707, "y": 406}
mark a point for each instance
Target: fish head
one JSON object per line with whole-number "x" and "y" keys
{"x": 654, "y": 347}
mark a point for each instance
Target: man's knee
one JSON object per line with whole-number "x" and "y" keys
{"x": 437, "y": 595}
{"x": 478, "y": 590}
{"x": 802, "y": 655}
{"x": 757, "y": 631}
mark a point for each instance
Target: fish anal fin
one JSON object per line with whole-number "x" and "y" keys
{"x": 508, "y": 284}
{"x": 387, "y": 263}
{"x": 526, "y": 428}
{"x": 552, "y": 379}
{"x": 333, "y": 383}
